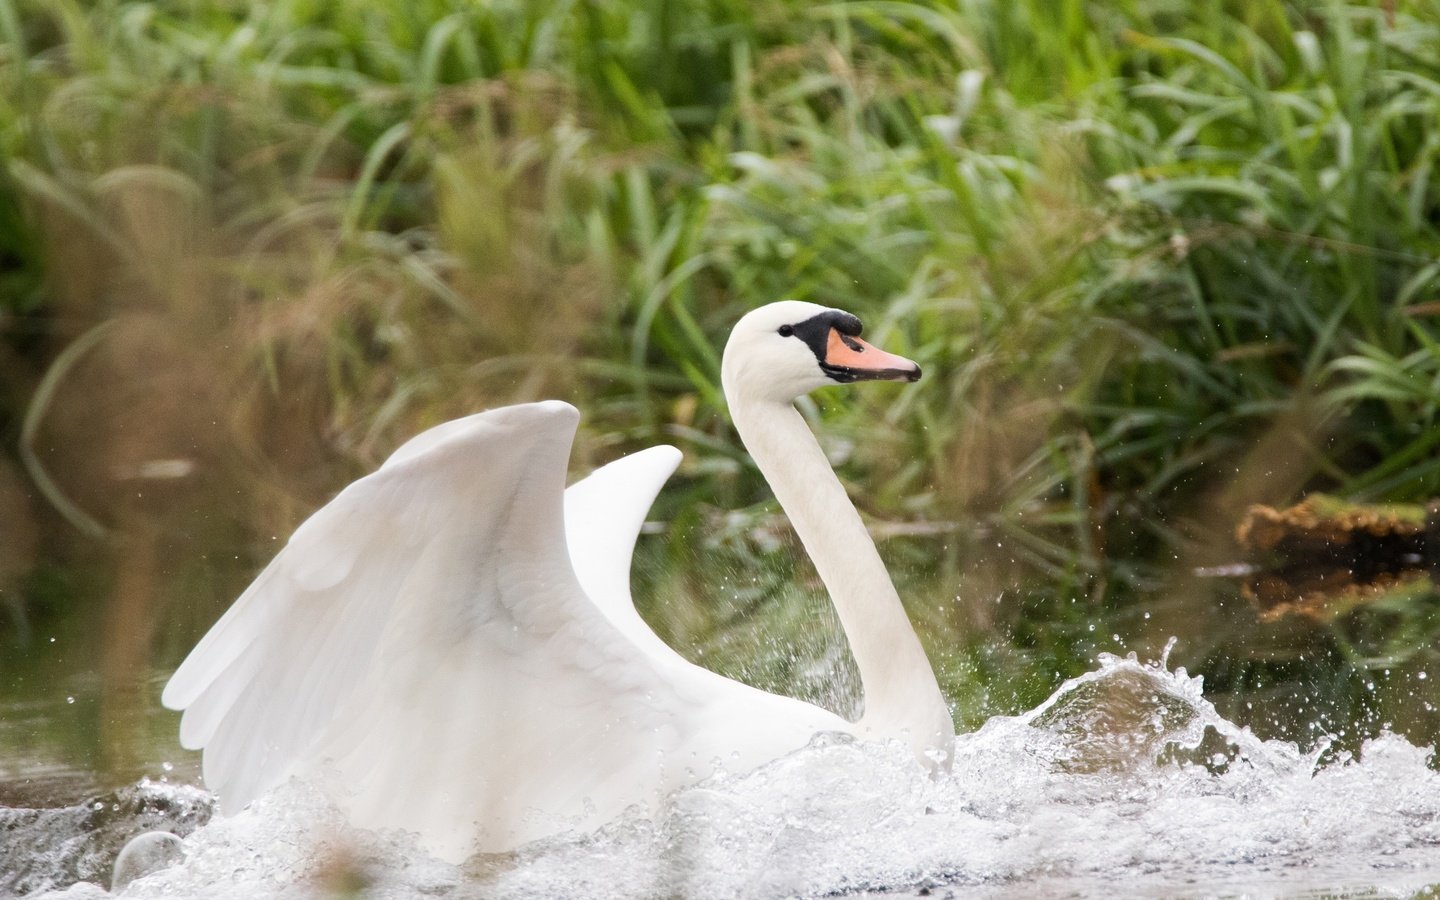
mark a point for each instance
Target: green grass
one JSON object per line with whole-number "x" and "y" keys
{"x": 1161, "y": 259}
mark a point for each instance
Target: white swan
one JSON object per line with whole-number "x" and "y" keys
{"x": 458, "y": 644}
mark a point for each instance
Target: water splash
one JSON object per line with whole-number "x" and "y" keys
{"x": 1125, "y": 781}
{"x": 151, "y": 851}
{"x": 47, "y": 848}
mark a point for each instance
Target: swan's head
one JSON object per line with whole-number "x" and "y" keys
{"x": 786, "y": 349}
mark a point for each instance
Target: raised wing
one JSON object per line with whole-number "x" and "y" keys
{"x": 422, "y": 642}
{"x": 603, "y": 516}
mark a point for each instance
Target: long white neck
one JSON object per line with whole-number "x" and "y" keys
{"x": 902, "y": 698}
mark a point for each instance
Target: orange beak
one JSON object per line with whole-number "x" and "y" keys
{"x": 851, "y": 359}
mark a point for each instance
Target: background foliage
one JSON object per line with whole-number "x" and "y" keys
{"x": 1160, "y": 259}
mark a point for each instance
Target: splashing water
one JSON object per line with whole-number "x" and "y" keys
{"x": 42, "y": 848}
{"x": 1126, "y": 781}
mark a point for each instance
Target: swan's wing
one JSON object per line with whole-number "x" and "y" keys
{"x": 424, "y": 636}
{"x": 603, "y": 516}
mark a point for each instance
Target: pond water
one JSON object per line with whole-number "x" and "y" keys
{"x": 1126, "y": 781}
{"x": 1301, "y": 767}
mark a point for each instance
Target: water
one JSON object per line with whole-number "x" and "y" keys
{"x": 1126, "y": 781}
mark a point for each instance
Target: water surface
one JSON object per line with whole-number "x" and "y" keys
{"x": 1302, "y": 768}
{"x": 1126, "y": 781}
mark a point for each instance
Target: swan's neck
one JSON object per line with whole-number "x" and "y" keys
{"x": 902, "y": 698}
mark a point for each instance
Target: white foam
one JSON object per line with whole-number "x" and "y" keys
{"x": 1125, "y": 782}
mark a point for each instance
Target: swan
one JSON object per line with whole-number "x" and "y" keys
{"x": 451, "y": 646}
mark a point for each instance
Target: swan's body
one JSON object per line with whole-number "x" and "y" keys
{"x": 453, "y": 636}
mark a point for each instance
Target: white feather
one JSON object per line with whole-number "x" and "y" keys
{"x": 603, "y": 516}
{"x": 424, "y": 637}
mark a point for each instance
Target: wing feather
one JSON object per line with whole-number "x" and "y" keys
{"x": 603, "y": 517}
{"x": 423, "y": 639}
{"x": 469, "y": 497}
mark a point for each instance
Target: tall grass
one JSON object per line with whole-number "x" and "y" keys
{"x": 1164, "y": 259}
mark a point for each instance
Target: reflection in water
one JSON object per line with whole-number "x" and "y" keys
{"x": 1324, "y": 556}
{"x": 18, "y": 551}
{"x": 126, "y": 655}
{"x": 1125, "y": 781}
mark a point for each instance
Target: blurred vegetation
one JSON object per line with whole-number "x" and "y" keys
{"x": 1160, "y": 260}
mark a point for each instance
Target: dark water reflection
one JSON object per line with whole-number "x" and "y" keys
{"x": 63, "y": 740}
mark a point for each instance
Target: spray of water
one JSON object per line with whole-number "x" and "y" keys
{"x": 1126, "y": 780}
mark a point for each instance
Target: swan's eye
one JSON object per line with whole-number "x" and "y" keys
{"x": 786, "y": 331}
